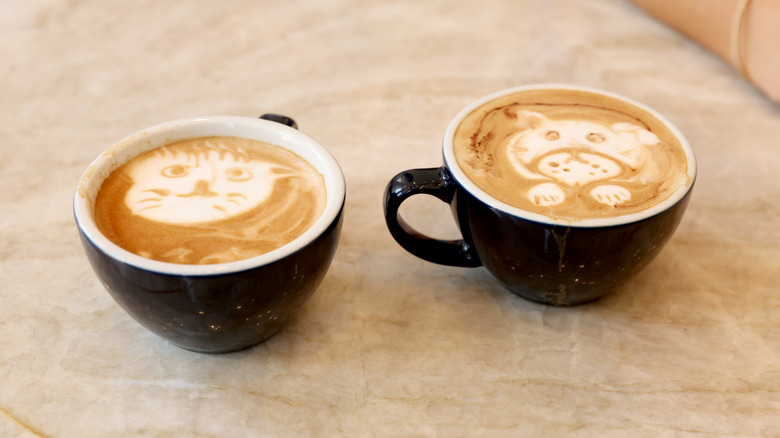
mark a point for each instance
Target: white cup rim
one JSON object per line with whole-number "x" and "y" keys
{"x": 459, "y": 175}
{"x": 192, "y": 127}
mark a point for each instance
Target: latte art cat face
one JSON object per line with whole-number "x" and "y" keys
{"x": 209, "y": 200}
{"x": 184, "y": 187}
{"x": 570, "y": 154}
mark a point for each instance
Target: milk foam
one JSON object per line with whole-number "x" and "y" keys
{"x": 210, "y": 200}
{"x": 576, "y": 153}
{"x": 569, "y": 154}
{"x": 178, "y": 186}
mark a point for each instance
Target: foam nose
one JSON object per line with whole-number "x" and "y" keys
{"x": 202, "y": 188}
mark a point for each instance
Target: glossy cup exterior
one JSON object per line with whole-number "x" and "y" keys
{"x": 221, "y": 307}
{"x": 562, "y": 265}
{"x": 556, "y": 262}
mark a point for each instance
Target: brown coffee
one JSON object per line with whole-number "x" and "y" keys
{"x": 570, "y": 154}
{"x": 209, "y": 200}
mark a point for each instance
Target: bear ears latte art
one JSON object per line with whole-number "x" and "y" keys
{"x": 209, "y": 200}
{"x": 579, "y": 160}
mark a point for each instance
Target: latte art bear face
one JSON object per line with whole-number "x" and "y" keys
{"x": 566, "y": 155}
{"x": 569, "y": 154}
{"x": 184, "y": 187}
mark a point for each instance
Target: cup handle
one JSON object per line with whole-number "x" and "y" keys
{"x": 278, "y": 118}
{"x": 436, "y": 182}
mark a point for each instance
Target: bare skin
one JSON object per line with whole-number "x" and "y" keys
{"x": 709, "y": 23}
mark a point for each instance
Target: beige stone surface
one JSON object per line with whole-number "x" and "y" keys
{"x": 389, "y": 346}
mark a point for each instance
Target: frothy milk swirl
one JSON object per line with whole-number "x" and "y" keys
{"x": 209, "y": 200}
{"x": 569, "y": 154}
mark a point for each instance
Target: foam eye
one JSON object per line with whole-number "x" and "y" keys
{"x": 236, "y": 174}
{"x": 595, "y": 137}
{"x": 175, "y": 171}
{"x": 552, "y": 135}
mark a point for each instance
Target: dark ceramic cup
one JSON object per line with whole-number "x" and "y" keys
{"x": 222, "y": 307}
{"x": 542, "y": 259}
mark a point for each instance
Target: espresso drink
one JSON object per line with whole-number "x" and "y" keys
{"x": 570, "y": 154}
{"x": 209, "y": 200}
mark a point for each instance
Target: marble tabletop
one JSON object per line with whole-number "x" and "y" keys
{"x": 389, "y": 346}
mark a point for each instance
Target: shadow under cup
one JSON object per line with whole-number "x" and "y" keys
{"x": 542, "y": 259}
{"x": 224, "y": 307}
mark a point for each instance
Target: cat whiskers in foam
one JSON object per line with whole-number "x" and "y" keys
{"x": 160, "y": 192}
{"x": 234, "y": 198}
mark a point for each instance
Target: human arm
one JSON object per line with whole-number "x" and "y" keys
{"x": 712, "y": 24}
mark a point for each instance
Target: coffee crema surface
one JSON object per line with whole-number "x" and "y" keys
{"x": 570, "y": 154}
{"x": 210, "y": 200}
